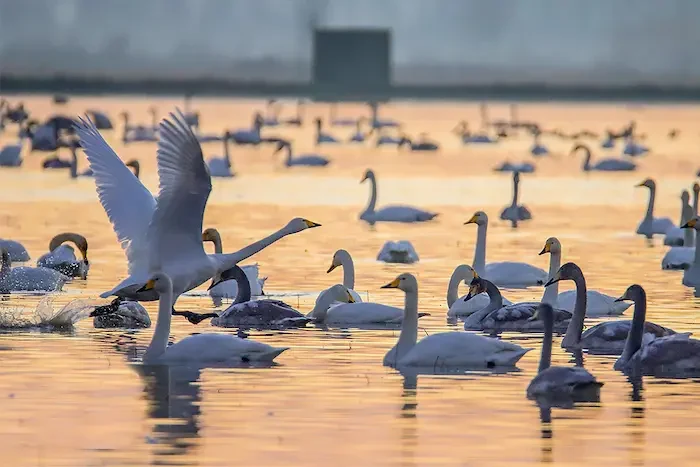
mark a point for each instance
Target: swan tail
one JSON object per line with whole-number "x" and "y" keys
{"x": 510, "y": 357}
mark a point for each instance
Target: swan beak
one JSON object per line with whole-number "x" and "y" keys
{"x": 691, "y": 223}
{"x": 621, "y": 299}
{"x": 311, "y": 224}
{"x": 546, "y": 249}
{"x": 392, "y": 285}
{"x": 149, "y": 286}
{"x": 350, "y": 298}
{"x": 551, "y": 281}
{"x": 331, "y": 268}
{"x": 472, "y": 220}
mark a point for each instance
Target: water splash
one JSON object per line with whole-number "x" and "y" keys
{"x": 45, "y": 316}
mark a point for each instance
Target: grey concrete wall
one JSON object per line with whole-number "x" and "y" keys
{"x": 570, "y": 42}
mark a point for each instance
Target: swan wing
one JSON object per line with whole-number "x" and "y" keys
{"x": 175, "y": 232}
{"x": 128, "y": 204}
{"x": 514, "y": 274}
{"x": 363, "y": 313}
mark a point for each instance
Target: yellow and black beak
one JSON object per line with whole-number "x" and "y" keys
{"x": 690, "y": 224}
{"x": 331, "y": 268}
{"x": 214, "y": 283}
{"x": 641, "y": 184}
{"x": 311, "y": 224}
{"x": 473, "y": 220}
{"x": 547, "y": 249}
{"x": 149, "y": 286}
{"x": 350, "y": 298}
{"x": 392, "y": 285}
{"x": 621, "y": 299}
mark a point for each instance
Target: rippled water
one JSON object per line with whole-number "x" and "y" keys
{"x": 76, "y": 398}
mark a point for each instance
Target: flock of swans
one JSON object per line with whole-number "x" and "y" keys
{"x": 163, "y": 239}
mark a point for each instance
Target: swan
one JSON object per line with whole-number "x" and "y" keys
{"x": 597, "y": 304}
{"x": 696, "y": 196}
{"x": 100, "y": 119}
{"x": 515, "y": 212}
{"x": 608, "y": 142}
{"x": 506, "y": 273}
{"x": 378, "y": 123}
{"x": 11, "y": 155}
{"x": 496, "y": 317}
{"x": 26, "y": 278}
{"x": 459, "y": 307}
{"x": 682, "y": 257}
{"x": 675, "y": 235}
{"x": 575, "y": 384}
{"x": 18, "y": 253}
{"x": 387, "y": 140}
{"x": 676, "y": 355}
{"x": 401, "y": 252}
{"x": 61, "y": 257}
{"x": 272, "y": 110}
{"x": 161, "y": 233}
{"x": 359, "y": 135}
{"x": 393, "y": 213}
{"x": 322, "y": 137}
{"x": 298, "y": 119}
{"x": 342, "y": 259}
{"x": 651, "y": 225}
{"x": 308, "y": 160}
{"x": 604, "y": 338}
{"x": 462, "y": 130}
{"x": 604, "y": 165}
{"x": 139, "y": 133}
{"x": 446, "y": 349}
{"x": 120, "y": 313}
{"x": 522, "y": 167}
{"x": 538, "y": 149}
{"x": 229, "y": 289}
{"x": 422, "y": 145}
{"x": 221, "y": 166}
{"x": 340, "y": 121}
{"x": 206, "y": 348}
{"x": 265, "y": 313}
{"x": 633, "y": 148}
{"x": 249, "y": 136}
{"x": 691, "y": 276}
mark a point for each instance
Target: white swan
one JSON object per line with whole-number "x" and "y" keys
{"x": 342, "y": 258}
{"x": 206, "y": 348}
{"x": 575, "y": 384}
{"x": 604, "y": 165}
{"x": 447, "y": 349}
{"x": 18, "y": 253}
{"x": 506, "y": 273}
{"x": 676, "y": 355}
{"x": 229, "y": 289}
{"x": 459, "y": 307}
{"x": 394, "y": 213}
{"x": 398, "y": 252}
{"x": 167, "y": 233}
{"x": 681, "y": 257}
{"x": 61, "y": 257}
{"x": 26, "y": 278}
{"x": 221, "y": 166}
{"x": 691, "y": 276}
{"x": 651, "y": 225}
{"x": 120, "y": 313}
{"x": 522, "y": 167}
{"x": 675, "y": 235}
{"x": 515, "y": 212}
{"x": 306, "y": 160}
{"x": 139, "y": 133}
{"x": 598, "y": 304}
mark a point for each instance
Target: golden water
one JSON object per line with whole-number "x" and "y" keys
{"x": 76, "y": 399}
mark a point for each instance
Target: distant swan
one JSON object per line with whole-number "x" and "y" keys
{"x": 11, "y": 155}
{"x": 229, "y": 288}
{"x": 249, "y": 136}
{"x": 681, "y": 257}
{"x": 61, "y": 257}
{"x": 538, "y": 149}
{"x": 322, "y": 137}
{"x": 516, "y": 212}
{"x": 120, "y": 313}
{"x": 691, "y": 276}
{"x": 26, "y": 278}
{"x": 205, "y": 348}
{"x": 221, "y": 166}
{"x": 459, "y": 307}
{"x": 575, "y": 384}
{"x": 308, "y": 160}
{"x": 607, "y": 165}
{"x": 334, "y": 121}
{"x": 401, "y": 252}
{"x": 422, "y": 145}
{"x": 506, "y": 273}
{"x": 100, "y": 119}
{"x": 651, "y": 225}
{"x": 675, "y": 235}
{"x": 394, "y": 213}
{"x": 523, "y": 167}
{"x": 139, "y": 133}
{"x": 447, "y": 349}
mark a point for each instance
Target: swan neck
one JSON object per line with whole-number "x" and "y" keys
{"x": 348, "y": 271}
{"x": 546, "y": 355}
{"x": 227, "y": 261}
{"x": 216, "y": 239}
{"x": 515, "y": 192}
{"x": 636, "y": 334}
{"x": 650, "y": 206}
{"x": 227, "y": 155}
{"x": 696, "y": 194}
{"x": 323, "y": 303}
{"x": 159, "y": 342}
{"x": 74, "y": 163}
{"x": 409, "y": 327}
{"x": 373, "y": 194}
{"x": 6, "y": 267}
{"x": 479, "y": 263}
{"x": 495, "y": 297}
{"x": 453, "y": 286}
{"x": 587, "y": 161}
{"x": 551, "y": 293}
{"x": 687, "y": 214}
{"x": 244, "y": 293}
{"x": 575, "y": 327}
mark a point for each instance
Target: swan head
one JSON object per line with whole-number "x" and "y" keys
{"x": 337, "y": 261}
{"x": 160, "y": 282}
{"x": 552, "y": 245}
{"x": 696, "y": 188}
{"x": 233, "y": 273}
{"x": 406, "y": 282}
{"x": 685, "y": 196}
{"x": 479, "y": 218}
{"x": 476, "y": 286}
{"x": 634, "y": 292}
{"x": 298, "y": 224}
{"x": 136, "y": 165}
{"x": 693, "y": 223}
{"x": 369, "y": 174}
{"x": 569, "y": 271}
{"x": 103, "y": 310}
{"x": 544, "y": 312}
{"x": 79, "y": 241}
{"x": 649, "y": 183}
{"x": 211, "y": 235}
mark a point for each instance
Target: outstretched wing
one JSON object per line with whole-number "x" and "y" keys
{"x": 128, "y": 204}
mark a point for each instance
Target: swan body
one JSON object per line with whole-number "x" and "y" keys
{"x": 538, "y": 149}
{"x": 459, "y": 307}
{"x": 608, "y": 143}
{"x": 308, "y": 160}
{"x": 56, "y": 163}
{"x": 221, "y": 166}
{"x": 250, "y": 135}
{"x": 61, "y": 257}
{"x": 651, "y": 225}
{"x": 478, "y": 138}
{"x": 678, "y": 257}
{"x": 25, "y": 278}
{"x": 360, "y": 313}
{"x": 604, "y": 165}
{"x": 523, "y": 167}
{"x": 447, "y": 349}
{"x": 165, "y": 233}
{"x": 401, "y": 252}
{"x": 121, "y": 314}
{"x": 18, "y": 253}
{"x": 503, "y": 274}
{"x": 11, "y": 155}
{"x": 405, "y": 214}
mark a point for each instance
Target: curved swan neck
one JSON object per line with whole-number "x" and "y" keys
{"x": 515, "y": 191}
{"x": 652, "y": 199}
{"x": 159, "y": 341}
{"x": 74, "y": 162}
{"x": 215, "y": 238}
{"x": 227, "y": 261}
{"x": 551, "y": 293}
{"x": 458, "y": 275}
{"x": 373, "y": 193}
{"x": 575, "y": 327}
{"x": 320, "y": 309}
{"x": 587, "y": 160}
{"x": 495, "y": 297}
{"x": 479, "y": 263}
{"x": 409, "y": 327}
{"x": 227, "y": 155}
{"x": 348, "y": 269}
{"x": 546, "y": 355}
{"x": 687, "y": 214}
{"x": 289, "y": 154}
{"x": 636, "y": 333}
{"x": 244, "y": 293}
